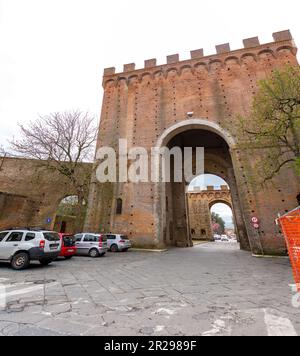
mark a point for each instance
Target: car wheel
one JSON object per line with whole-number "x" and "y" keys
{"x": 114, "y": 248}
{"x": 46, "y": 262}
{"x": 68, "y": 257}
{"x": 94, "y": 253}
{"x": 20, "y": 261}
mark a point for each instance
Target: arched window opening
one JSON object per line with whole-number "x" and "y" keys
{"x": 298, "y": 199}
{"x": 119, "y": 206}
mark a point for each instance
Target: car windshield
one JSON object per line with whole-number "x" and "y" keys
{"x": 51, "y": 236}
{"x": 69, "y": 240}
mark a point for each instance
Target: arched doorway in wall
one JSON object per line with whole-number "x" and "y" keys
{"x": 210, "y": 207}
{"x": 174, "y": 222}
{"x": 69, "y": 215}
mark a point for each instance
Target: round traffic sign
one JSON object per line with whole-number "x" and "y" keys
{"x": 255, "y": 220}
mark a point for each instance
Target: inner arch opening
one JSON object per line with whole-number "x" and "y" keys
{"x": 181, "y": 203}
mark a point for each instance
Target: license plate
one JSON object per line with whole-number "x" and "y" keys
{"x": 70, "y": 250}
{"x": 54, "y": 247}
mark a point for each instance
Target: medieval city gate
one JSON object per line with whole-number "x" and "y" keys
{"x": 200, "y": 203}
{"x": 195, "y": 103}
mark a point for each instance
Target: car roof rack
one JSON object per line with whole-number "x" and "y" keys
{"x": 26, "y": 228}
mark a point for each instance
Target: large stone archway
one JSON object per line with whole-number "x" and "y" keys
{"x": 152, "y": 106}
{"x": 172, "y": 208}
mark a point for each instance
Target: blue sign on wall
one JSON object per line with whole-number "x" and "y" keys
{"x": 49, "y": 221}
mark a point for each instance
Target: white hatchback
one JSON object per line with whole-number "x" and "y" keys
{"x": 116, "y": 243}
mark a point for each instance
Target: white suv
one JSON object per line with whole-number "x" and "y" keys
{"x": 19, "y": 247}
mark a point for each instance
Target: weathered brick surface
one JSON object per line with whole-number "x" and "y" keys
{"x": 147, "y": 106}
{"x": 199, "y": 208}
{"x": 29, "y": 193}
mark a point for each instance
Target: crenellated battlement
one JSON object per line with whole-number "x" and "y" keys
{"x": 210, "y": 188}
{"x": 283, "y": 41}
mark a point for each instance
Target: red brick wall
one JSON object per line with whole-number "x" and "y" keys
{"x": 142, "y": 104}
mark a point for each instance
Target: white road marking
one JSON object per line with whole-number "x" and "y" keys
{"x": 24, "y": 290}
{"x": 159, "y": 329}
{"x": 278, "y": 326}
{"x": 165, "y": 311}
{"x": 2, "y": 296}
{"x": 218, "y": 326}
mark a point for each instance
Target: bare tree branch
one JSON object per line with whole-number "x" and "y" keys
{"x": 64, "y": 140}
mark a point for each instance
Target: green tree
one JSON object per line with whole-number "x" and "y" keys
{"x": 218, "y": 224}
{"x": 274, "y": 123}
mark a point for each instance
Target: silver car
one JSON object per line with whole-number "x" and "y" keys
{"x": 89, "y": 244}
{"x": 118, "y": 243}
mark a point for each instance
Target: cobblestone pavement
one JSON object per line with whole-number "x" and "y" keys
{"x": 211, "y": 289}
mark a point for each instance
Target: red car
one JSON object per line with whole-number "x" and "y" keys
{"x": 68, "y": 248}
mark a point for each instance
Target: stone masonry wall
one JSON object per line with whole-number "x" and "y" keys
{"x": 29, "y": 193}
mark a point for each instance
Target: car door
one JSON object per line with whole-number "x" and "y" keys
{"x": 89, "y": 241}
{"x": 78, "y": 239}
{"x": 11, "y": 244}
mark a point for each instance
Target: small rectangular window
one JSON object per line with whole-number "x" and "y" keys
{"x": 51, "y": 236}
{"x": 2, "y": 235}
{"x": 91, "y": 238}
{"x": 69, "y": 240}
{"x": 78, "y": 238}
{"x": 30, "y": 236}
{"x": 15, "y": 237}
{"x": 111, "y": 237}
{"x": 119, "y": 208}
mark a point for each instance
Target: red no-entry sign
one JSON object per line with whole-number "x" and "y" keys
{"x": 255, "y": 222}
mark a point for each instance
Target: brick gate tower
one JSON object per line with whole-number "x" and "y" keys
{"x": 200, "y": 202}
{"x": 149, "y": 107}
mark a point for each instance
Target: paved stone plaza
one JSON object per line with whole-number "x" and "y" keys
{"x": 211, "y": 289}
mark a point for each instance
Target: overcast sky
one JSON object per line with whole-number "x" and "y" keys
{"x": 52, "y": 52}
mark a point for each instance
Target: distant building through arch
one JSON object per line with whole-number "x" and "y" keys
{"x": 200, "y": 203}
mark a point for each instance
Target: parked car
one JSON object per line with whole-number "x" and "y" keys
{"x": 225, "y": 238}
{"x": 116, "y": 243}
{"x": 68, "y": 246}
{"x": 89, "y": 244}
{"x": 217, "y": 237}
{"x": 20, "y": 247}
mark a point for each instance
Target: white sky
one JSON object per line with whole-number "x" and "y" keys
{"x": 226, "y": 214}
{"x": 52, "y": 52}
{"x": 205, "y": 180}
